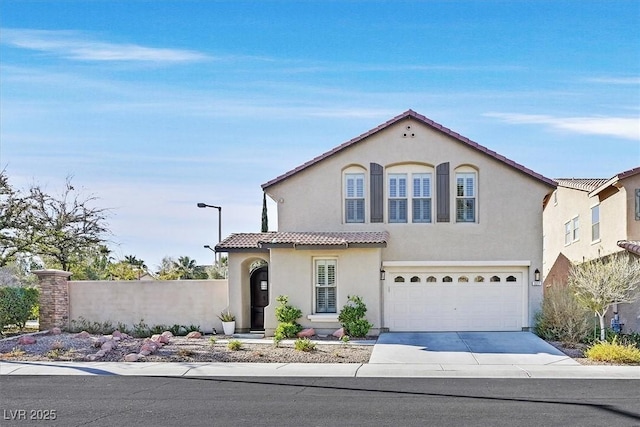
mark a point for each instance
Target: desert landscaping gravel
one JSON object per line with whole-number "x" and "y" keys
{"x": 70, "y": 347}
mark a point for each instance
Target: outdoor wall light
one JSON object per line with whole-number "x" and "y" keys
{"x": 383, "y": 274}
{"x": 536, "y": 275}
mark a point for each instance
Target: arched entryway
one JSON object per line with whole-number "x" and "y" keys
{"x": 259, "y": 297}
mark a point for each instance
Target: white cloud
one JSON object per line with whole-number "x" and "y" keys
{"x": 616, "y": 80}
{"x": 77, "y": 46}
{"x": 619, "y": 127}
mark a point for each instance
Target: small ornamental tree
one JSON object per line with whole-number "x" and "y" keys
{"x": 600, "y": 283}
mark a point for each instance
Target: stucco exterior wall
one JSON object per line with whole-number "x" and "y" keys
{"x": 617, "y": 222}
{"x": 292, "y": 273}
{"x": 509, "y": 202}
{"x": 184, "y": 302}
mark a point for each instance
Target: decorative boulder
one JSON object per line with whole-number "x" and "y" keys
{"x": 108, "y": 346}
{"x": 26, "y": 340}
{"x": 131, "y": 357}
{"x": 83, "y": 334}
{"x": 167, "y": 334}
{"x": 98, "y": 341}
{"x": 339, "y": 333}
{"x": 194, "y": 334}
{"x": 116, "y": 334}
{"x": 55, "y": 331}
{"x": 306, "y": 333}
{"x": 163, "y": 339}
{"x": 91, "y": 357}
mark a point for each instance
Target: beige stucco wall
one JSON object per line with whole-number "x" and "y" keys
{"x": 183, "y": 302}
{"x": 617, "y": 222}
{"x": 509, "y": 202}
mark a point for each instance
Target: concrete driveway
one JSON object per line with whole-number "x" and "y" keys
{"x": 466, "y": 348}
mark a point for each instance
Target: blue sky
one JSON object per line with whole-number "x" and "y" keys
{"x": 154, "y": 106}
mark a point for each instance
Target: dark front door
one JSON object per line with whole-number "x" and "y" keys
{"x": 259, "y": 297}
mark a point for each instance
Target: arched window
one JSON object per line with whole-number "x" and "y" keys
{"x": 479, "y": 279}
{"x": 463, "y": 279}
{"x": 494, "y": 279}
{"x": 511, "y": 279}
{"x": 447, "y": 279}
{"x": 431, "y": 279}
{"x": 399, "y": 279}
{"x": 415, "y": 279}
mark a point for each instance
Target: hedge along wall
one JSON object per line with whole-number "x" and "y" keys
{"x": 158, "y": 302}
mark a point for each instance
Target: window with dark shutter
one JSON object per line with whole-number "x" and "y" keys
{"x": 377, "y": 192}
{"x": 442, "y": 192}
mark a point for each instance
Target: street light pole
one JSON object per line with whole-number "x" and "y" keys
{"x": 204, "y": 205}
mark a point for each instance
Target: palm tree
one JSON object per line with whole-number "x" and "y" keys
{"x": 187, "y": 268}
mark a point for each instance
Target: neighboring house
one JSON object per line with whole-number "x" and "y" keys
{"x": 434, "y": 231}
{"x": 587, "y": 219}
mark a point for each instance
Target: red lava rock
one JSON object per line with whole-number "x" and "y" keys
{"x": 83, "y": 334}
{"x": 55, "y": 331}
{"x": 26, "y": 340}
{"x": 167, "y": 334}
{"x": 306, "y": 333}
{"x": 131, "y": 357}
{"x": 339, "y": 333}
{"x": 194, "y": 334}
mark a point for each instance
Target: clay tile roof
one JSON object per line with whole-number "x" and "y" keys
{"x": 263, "y": 241}
{"x": 428, "y": 122}
{"x": 584, "y": 184}
{"x": 632, "y": 246}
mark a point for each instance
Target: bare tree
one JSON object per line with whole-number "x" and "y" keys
{"x": 602, "y": 282}
{"x": 68, "y": 226}
{"x": 16, "y": 223}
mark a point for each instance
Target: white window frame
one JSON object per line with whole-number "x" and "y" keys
{"x": 575, "y": 228}
{"x": 397, "y": 197}
{"x": 595, "y": 224}
{"x": 466, "y": 194}
{"x": 567, "y": 233}
{"x": 325, "y": 285}
{"x": 422, "y": 197}
{"x": 354, "y": 195}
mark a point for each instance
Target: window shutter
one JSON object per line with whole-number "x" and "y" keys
{"x": 377, "y": 192}
{"x": 442, "y": 192}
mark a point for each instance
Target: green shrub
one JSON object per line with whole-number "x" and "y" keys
{"x": 17, "y": 305}
{"x": 304, "y": 344}
{"x": 141, "y": 330}
{"x": 286, "y": 313}
{"x": 286, "y": 330}
{"x": 352, "y": 317}
{"x": 95, "y": 328}
{"x": 562, "y": 317}
{"x": 234, "y": 345}
{"x": 614, "y": 352}
{"x": 157, "y": 329}
{"x": 177, "y": 330}
{"x": 192, "y": 328}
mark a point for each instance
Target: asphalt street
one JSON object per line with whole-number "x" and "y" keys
{"x": 247, "y": 401}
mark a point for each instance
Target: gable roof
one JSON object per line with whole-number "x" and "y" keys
{"x": 242, "y": 242}
{"x": 412, "y": 114}
{"x": 595, "y": 185}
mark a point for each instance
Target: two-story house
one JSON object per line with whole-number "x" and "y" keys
{"x": 434, "y": 231}
{"x": 587, "y": 219}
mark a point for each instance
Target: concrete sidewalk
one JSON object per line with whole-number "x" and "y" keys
{"x": 354, "y": 370}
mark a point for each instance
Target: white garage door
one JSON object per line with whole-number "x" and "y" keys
{"x": 480, "y": 299}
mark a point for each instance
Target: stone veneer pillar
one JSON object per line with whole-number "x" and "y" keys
{"x": 54, "y": 298}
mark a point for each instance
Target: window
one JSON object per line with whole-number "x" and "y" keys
{"x": 447, "y": 279}
{"x": 479, "y": 279}
{"x": 399, "y": 279}
{"x": 567, "y": 233}
{"x": 595, "y": 223}
{"x": 421, "y": 202}
{"x": 397, "y": 197}
{"x": 512, "y": 279}
{"x": 463, "y": 279}
{"x": 465, "y": 197}
{"x": 325, "y": 272}
{"x": 494, "y": 279}
{"x": 637, "y": 204}
{"x": 431, "y": 279}
{"x": 354, "y": 197}
{"x": 576, "y": 228}
{"x": 415, "y": 279}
